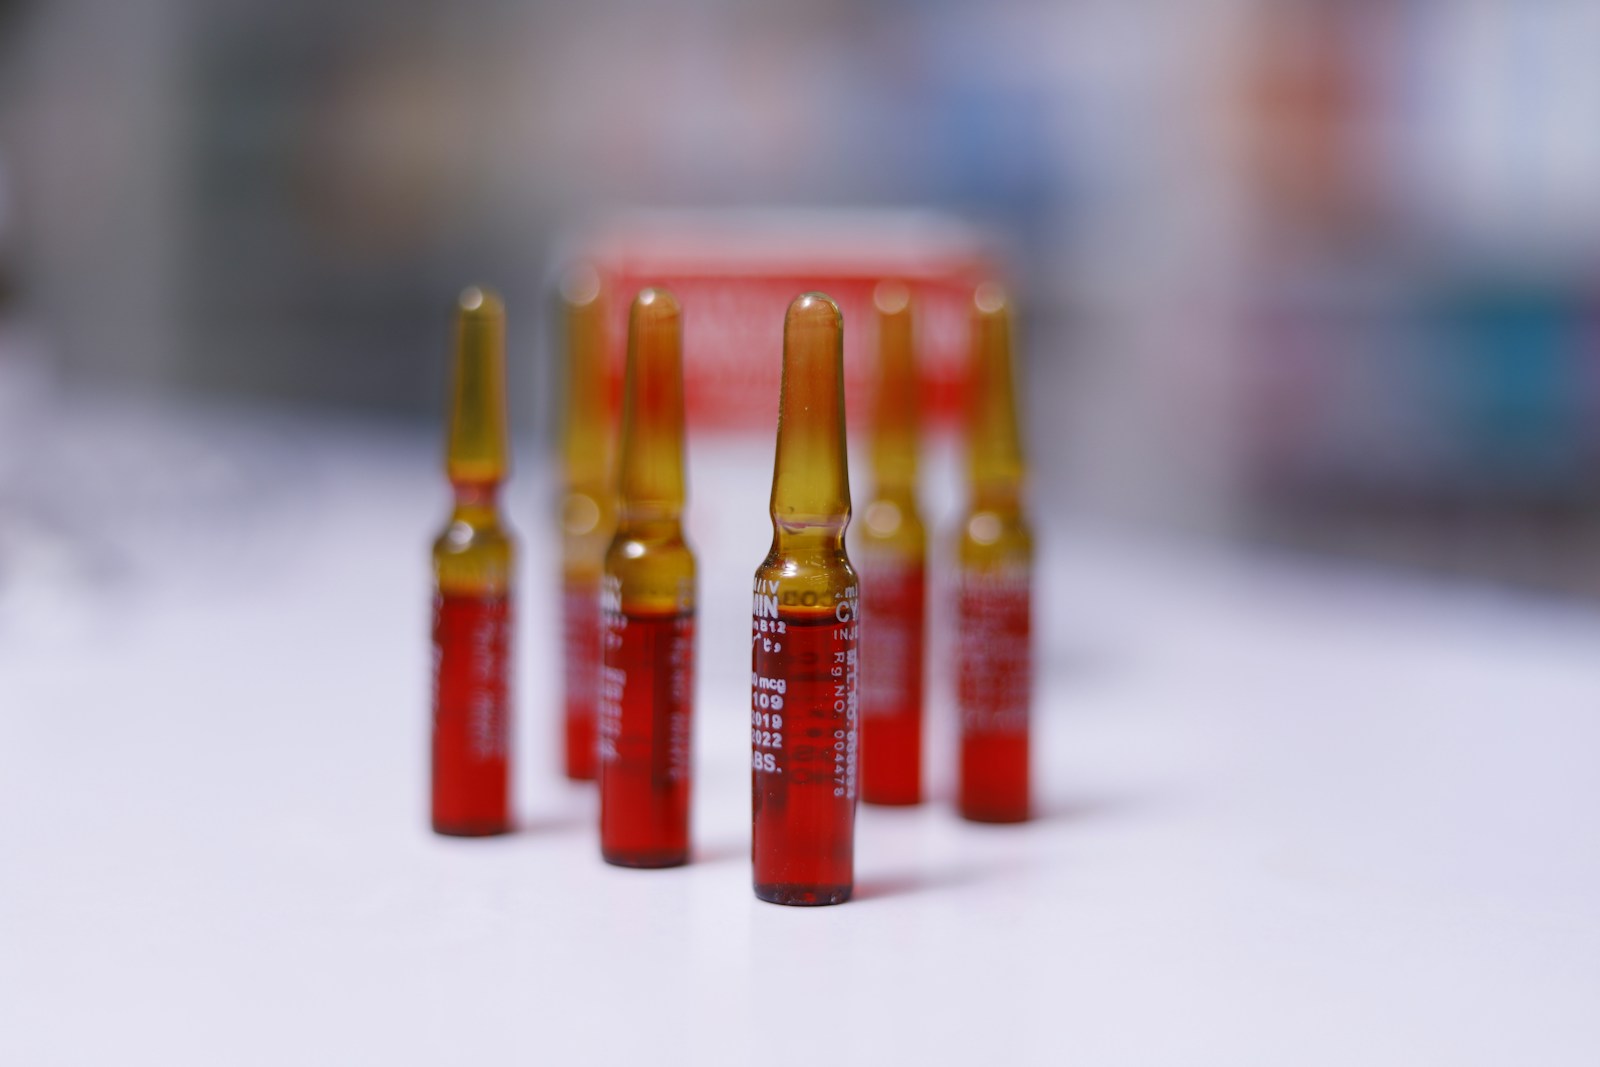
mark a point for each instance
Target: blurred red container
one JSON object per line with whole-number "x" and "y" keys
{"x": 736, "y": 272}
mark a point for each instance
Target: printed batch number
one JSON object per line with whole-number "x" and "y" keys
{"x": 766, "y": 723}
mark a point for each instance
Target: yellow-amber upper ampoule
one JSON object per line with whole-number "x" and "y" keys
{"x": 803, "y": 714}
{"x": 994, "y": 659}
{"x": 648, "y": 597}
{"x": 892, "y": 557}
{"x": 587, "y": 512}
{"x": 472, "y": 563}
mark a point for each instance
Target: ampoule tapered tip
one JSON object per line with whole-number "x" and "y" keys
{"x": 810, "y": 482}
{"x": 990, "y": 299}
{"x": 480, "y": 322}
{"x": 655, "y": 337}
{"x": 480, "y": 302}
{"x": 995, "y": 442}
{"x": 476, "y": 449}
{"x": 891, "y": 297}
{"x": 650, "y": 478}
{"x": 895, "y": 415}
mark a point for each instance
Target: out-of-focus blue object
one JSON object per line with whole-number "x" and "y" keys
{"x": 1510, "y": 362}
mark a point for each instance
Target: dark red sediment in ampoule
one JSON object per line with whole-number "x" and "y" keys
{"x": 891, "y": 556}
{"x": 993, "y": 652}
{"x": 471, "y": 789}
{"x": 644, "y": 744}
{"x": 472, "y": 565}
{"x": 805, "y": 664}
{"x": 648, "y": 592}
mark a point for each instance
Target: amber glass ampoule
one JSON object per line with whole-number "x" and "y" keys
{"x": 648, "y": 608}
{"x": 804, "y": 717}
{"x": 891, "y": 556}
{"x": 587, "y": 513}
{"x": 472, "y": 564}
{"x": 994, "y": 662}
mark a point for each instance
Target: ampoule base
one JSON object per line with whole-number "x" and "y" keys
{"x": 645, "y": 860}
{"x": 898, "y": 794}
{"x": 994, "y": 782}
{"x": 472, "y": 829}
{"x": 804, "y": 896}
{"x": 993, "y": 816}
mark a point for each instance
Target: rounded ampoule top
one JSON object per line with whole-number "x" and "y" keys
{"x": 810, "y": 478}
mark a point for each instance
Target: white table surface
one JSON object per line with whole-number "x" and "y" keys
{"x": 1290, "y": 812}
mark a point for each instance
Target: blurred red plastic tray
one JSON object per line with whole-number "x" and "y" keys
{"x": 736, "y": 272}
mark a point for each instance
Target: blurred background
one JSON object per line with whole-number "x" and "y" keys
{"x": 1310, "y": 298}
{"x": 1321, "y": 272}
{"x": 1308, "y": 269}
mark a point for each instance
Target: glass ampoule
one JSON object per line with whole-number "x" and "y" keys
{"x": 891, "y": 555}
{"x": 587, "y": 513}
{"x": 804, "y": 715}
{"x": 472, "y": 565}
{"x": 995, "y": 553}
{"x": 648, "y": 609}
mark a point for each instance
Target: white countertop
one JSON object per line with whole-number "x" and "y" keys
{"x": 1290, "y": 812}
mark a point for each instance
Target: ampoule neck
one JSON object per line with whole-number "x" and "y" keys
{"x": 476, "y": 497}
{"x": 902, "y": 494}
{"x": 998, "y": 497}
{"x": 650, "y": 523}
{"x": 821, "y": 535}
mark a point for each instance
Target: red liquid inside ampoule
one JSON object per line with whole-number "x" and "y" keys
{"x": 993, "y": 691}
{"x": 580, "y": 624}
{"x": 471, "y": 786}
{"x": 804, "y": 744}
{"x": 892, "y": 610}
{"x": 646, "y": 692}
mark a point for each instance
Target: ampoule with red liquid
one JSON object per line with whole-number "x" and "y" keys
{"x": 891, "y": 555}
{"x": 804, "y": 711}
{"x": 993, "y": 654}
{"x": 587, "y": 514}
{"x": 472, "y": 564}
{"x": 648, "y": 608}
